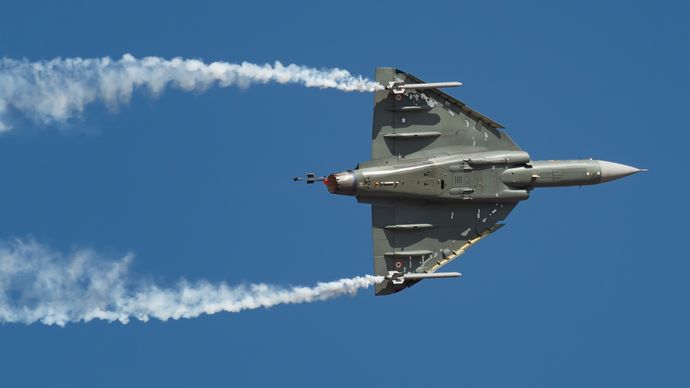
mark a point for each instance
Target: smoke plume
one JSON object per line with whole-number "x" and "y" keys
{"x": 56, "y": 90}
{"x": 38, "y": 284}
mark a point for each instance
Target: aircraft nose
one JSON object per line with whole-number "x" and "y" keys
{"x": 611, "y": 171}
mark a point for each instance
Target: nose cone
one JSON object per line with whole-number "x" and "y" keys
{"x": 611, "y": 171}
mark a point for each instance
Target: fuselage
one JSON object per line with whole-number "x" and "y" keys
{"x": 499, "y": 176}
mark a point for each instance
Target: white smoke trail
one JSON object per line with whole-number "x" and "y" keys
{"x": 40, "y": 285}
{"x": 54, "y": 91}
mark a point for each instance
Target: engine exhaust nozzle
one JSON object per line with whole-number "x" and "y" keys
{"x": 343, "y": 183}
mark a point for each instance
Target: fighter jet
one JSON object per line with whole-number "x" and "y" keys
{"x": 442, "y": 176}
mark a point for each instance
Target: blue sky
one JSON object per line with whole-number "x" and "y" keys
{"x": 583, "y": 287}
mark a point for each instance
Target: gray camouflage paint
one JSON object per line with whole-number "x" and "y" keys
{"x": 443, "y": 176}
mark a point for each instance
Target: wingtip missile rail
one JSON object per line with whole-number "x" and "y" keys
{"x": 398, "y": 87}
{"x": 400, "y": 277}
